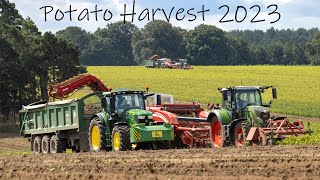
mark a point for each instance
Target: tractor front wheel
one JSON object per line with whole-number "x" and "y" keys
{"x": 121, "y": 138}
{"x": 216, "y": 133}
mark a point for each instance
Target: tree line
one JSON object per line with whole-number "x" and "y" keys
{"x": 121, "y": 44}
{"x": 29, "y": 60}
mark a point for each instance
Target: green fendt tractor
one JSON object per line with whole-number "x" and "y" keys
{"x": 241, "y": 109}
{"x": 99, "y": 121}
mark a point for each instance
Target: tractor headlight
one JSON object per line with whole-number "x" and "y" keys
{"x": 141, "y": 117}
{"x": 150, "y": 117}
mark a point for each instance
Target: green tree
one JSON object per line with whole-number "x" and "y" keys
{"x": 259, "y": 55}
{"x": 313, "y": 50}
{"x": 75, "y": 35}
{"x": 8, "y": 60}
{"x": 207, "y": 45}
{"x": 157, "y": 37}
{"x": 110, "y": 46}
{"x": 276, "y": 54}
{"x": 239, "y": 52}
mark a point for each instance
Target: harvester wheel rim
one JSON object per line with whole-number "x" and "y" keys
{"x": 217, "y": 134}
{"x": 116, "y": 141}
{"x": 239, "y": 136}
{"x": 95, "y": 137}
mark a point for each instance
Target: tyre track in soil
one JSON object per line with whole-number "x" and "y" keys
{"x": 12, "y": 142}
{"x": 276, "y": 162}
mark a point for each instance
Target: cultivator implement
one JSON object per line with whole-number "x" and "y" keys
{"x": 65, "y": 88}
{"x": 277, "y": 129}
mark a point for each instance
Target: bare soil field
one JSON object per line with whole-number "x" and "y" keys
{"x": 270, "y": 162}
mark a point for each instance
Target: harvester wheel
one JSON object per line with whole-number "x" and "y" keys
{"x": 36, "y": 145}
{"x": 121, "y": 138}
{"x": 57, "y": 145}
{"x": 97, "y": 135}
{"x": 45, "y": 144}
{"x": 216, "y": 133}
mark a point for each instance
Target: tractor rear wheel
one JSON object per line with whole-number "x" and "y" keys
{"x": 97, "y": 135}
{"x": 57, "y": 145}
{"x": 216, "y": 133}
{"x": 36, "y": 145}
{"x": 45, "y": 144}
{"x": 121, "y": 138}
{"x": 239, "y": 138}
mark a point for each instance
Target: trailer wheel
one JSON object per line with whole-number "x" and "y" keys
{"x": 97, "y": 135}
{"x": 57, "y": 145}
{"x": 45, "y": 144}
{"x": 216, "y": 133}
{"x": 121, "y": 138}
{"x": 36, "y": 145}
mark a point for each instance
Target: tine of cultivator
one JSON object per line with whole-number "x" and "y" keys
{"x": 253, "y": 134}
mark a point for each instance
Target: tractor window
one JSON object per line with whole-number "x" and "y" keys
{"x": 247, "y": 98}
{"x": 125, "y": 102}
{"x": 227, "y": 103}
{"x": 107, "y": 104}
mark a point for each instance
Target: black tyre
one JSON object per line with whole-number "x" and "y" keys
{"x": 36, "y": 145}
{"x": 57, "y": 145}
{"x": 121, "y": 138}
{"x": 216, "y": 133}
{"x": 97, "y": 135}
{"x": 45, "y": 144}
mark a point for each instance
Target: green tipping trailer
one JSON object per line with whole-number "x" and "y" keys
{"x": 99, "y": 121}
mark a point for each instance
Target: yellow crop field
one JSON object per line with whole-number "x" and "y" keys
{"x": 298, "y": 86}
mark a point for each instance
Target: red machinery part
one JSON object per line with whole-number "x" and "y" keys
{"x": 63, "y": 89}
{"x": 281, "y": 128}
{"x": 193, "y": 131}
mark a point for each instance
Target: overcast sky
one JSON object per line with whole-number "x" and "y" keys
{"x": 294, "y": 13}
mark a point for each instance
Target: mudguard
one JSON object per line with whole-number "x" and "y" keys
{"x": 222, "y": 115}
{"x": 103, "y": 116}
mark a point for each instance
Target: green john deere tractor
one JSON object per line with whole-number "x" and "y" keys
{"x": 124, "y": 122}
{"x": 242, "y": 108}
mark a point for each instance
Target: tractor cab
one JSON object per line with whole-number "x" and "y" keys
{"x": 245, "y": 102}
{"x": 126, "y": 105}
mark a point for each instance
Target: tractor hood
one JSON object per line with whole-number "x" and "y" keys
{"x": 261, "y": 115}
{"x": 139, "y": 112}
{"x": 136, "y": 116}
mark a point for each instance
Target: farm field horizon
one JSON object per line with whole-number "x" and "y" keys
{"x": 296, "y": 85}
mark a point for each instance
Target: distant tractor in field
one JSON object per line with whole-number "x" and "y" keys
{"x": 115, "y": 120}
{"x": 156, "y": 62}
{"x": 243, "y": 117}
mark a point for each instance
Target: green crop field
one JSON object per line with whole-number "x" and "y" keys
{"x": 298, "y": 86}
